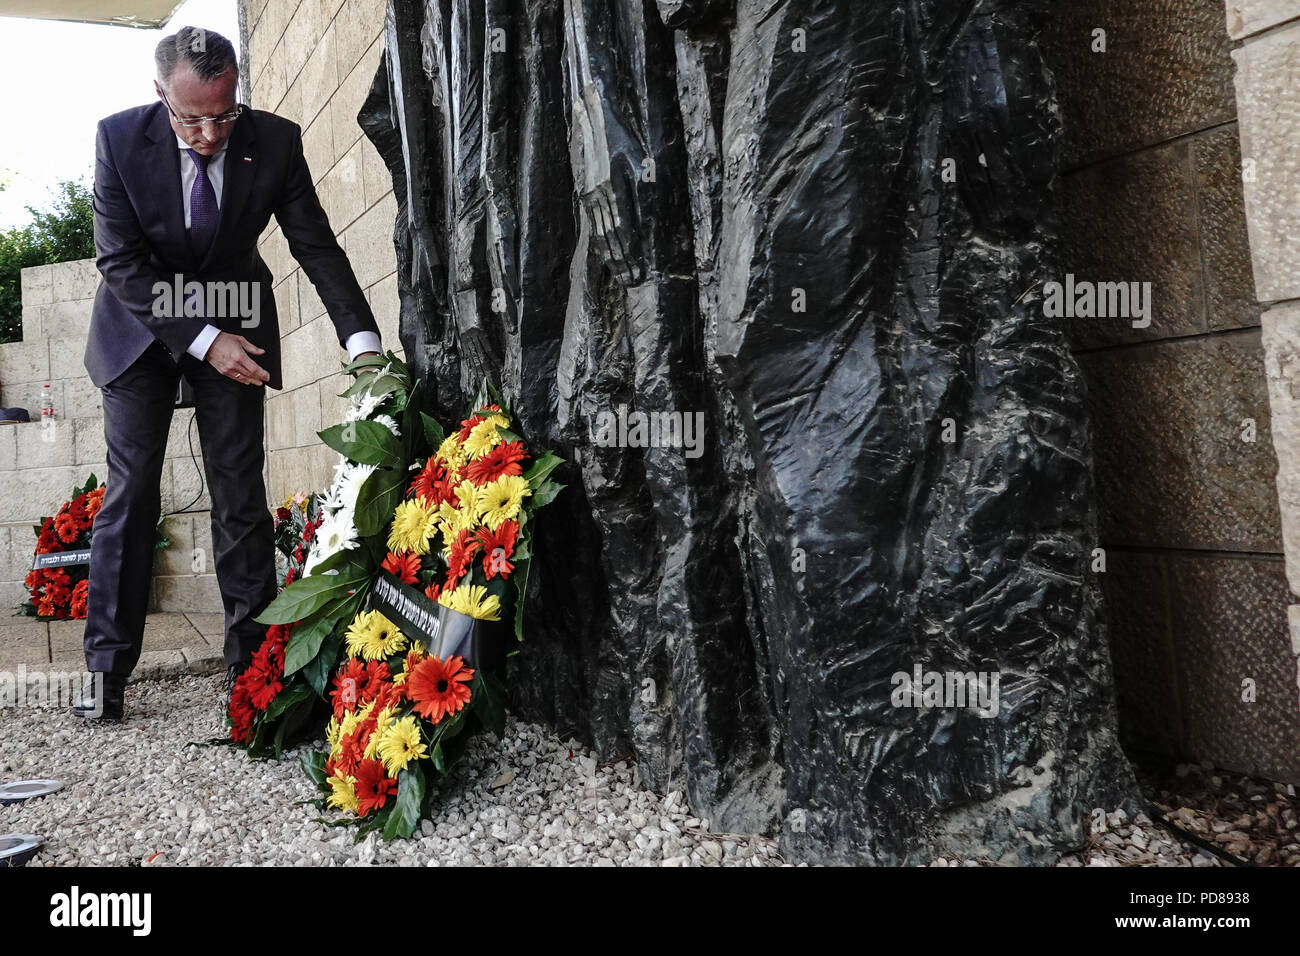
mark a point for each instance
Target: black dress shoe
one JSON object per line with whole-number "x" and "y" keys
{"x": 104, "y": 699}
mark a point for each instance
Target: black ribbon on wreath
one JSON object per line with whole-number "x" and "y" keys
{"x": 444, "y": 632}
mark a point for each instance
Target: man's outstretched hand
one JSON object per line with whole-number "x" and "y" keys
{"x": 228, "y": 354}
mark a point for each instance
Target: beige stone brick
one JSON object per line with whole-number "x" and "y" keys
{"x": 341, "y": 191}
{"x": 44, "y": 445}
{"x": 310, "y": 353}
{"x": 81, "y": 399}
{"x": 67, "y": 357}
{"x": 180, "y": 433}
{"x": 67, "y": 640}
{"x": 8, "y": 447}
{"x": 275, "y": 253}
{"x": 188, "y": 486}
{"x": 386, "y": 305}
{"x": 369, "y": 242}
{"x": 187, "y": 592}
{"x": 169, "y": 631}
{"x": 332, "y": 407}
{"x": 75, "y": 279}
{"x": 345, "y": 104}
{"x": 300, "y": 37}
{"x": 375, "y": 175}
{"x": 88, "y": 440}
{"x": 1251, "y": 16}
{"x": 22, "y": 362}
{"x": 309, "y": 302}
{"x": 320, "y": 78}
{"x": 359, "y": 24}
{"x": 68, "y": 318}
{"x": 280, "y": 431}
{"x": 33, "y": 323}
{"x": 318, "y": 147}
{"x": 37, "y": 286}
{"x": 1281, "y": 335}
{"x": 286, "y": 305}
{"x": 307, "y": 415}
{"x": 1268, "y": 112}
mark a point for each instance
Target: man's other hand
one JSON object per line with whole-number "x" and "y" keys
{"x": 228, "y": 354}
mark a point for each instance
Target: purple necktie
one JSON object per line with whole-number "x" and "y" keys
{"x": 203, "y": 206}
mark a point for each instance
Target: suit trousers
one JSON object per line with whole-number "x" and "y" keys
{"x": 138, "y": 407}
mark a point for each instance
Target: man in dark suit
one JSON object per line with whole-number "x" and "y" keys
{"x": 183, "y": 189}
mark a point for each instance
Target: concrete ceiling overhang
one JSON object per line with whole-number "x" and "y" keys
{"x": 122, "y": 13}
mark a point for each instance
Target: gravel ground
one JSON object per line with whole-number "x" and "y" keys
{"x": 135, "y": 794}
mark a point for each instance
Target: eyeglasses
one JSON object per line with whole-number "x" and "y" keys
{"x": 222, "y": 120}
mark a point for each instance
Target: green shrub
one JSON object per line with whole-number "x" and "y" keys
{"x": 62, "y": 232}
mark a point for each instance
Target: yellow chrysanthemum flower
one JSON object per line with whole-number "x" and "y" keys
{"x": 414, "y": 523}
{"x": 501, "y": 499}
{"x": 373, "y": 637}
{"x": 472, "y": 599}
{"x": 483, "y": 437}
{"x": 344, "y": 795}
{"x": 332, "y": 733}
{"x": 401, "y": 744}
{"x": 452, "y": 454}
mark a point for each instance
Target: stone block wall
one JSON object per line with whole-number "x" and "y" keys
{"x": 1267, "y": 87}
{"x": 1195, "y": 576}
{"x": 312, "y": 62}
{"x": 40, "y": 466}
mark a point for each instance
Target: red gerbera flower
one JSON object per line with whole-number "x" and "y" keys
{"x": 439, "y": 689}
{"x": 462, "y": 553}
{"x": 66, "y": 527}
{"x": 406, "y": 566}
{"x": 262, "y": 683}
{"x": 433, "y": 472}
{"x": 498, "y": 548}
{"x": 467, "y": 426}
{"x": 290, "y": 576}
{"x": 374, "y": 786}
{"x": 348, "y": 684}
{"x": 502, "y": 460}
{"x": 433, "y": 590}
{"x": 79, "y": 597}
{"x": 241, "y": 713}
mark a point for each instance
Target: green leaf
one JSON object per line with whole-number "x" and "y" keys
{"x": 541, "y": 468}
{"x": 305, "y": 642}
{"x": 313, "y": 763}
{"x": 377, "y": 499}
{"x": 308, "y": 595}
{"x": 438, "y": 758}
{"x": 405, "y": 816}
{"x": 318, "y": 672}
{"x": 286, "y": 699}
{"x": 293, "y": 721}
{"x": 544, "y": 495}
{"x": 433, "y": 432}
{"x": 385, "y": 384}
{"x": 360, "y": 385}
{"x": 364, "y": 362}
{"x": 489, "y": 701}
{"x": 521, "y": 583}
{"x": 367, "y": 442}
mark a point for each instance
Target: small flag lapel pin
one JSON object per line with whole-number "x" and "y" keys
{"x": 248, "y": 159}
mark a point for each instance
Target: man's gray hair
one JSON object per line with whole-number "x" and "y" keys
{"x": 208, "y": 53}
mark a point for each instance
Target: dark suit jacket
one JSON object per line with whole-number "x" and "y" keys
{"x": 140, "y": 237}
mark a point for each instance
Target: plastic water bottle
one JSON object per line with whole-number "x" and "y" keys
{"x": 47, "y": 404}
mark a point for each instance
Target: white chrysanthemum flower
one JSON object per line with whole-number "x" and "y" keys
{"x": 363, "y": 406}
{"x": 350, "y": 482}
{"x": 337, "y": 531}
{"x": 388, "y": 422}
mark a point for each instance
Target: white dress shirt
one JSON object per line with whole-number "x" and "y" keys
{"x": 357, "y": 342}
